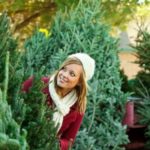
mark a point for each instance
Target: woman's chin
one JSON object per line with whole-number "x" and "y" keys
{"x": 59, "y": 84}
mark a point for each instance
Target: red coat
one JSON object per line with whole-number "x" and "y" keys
{"x": 71, "y": 122}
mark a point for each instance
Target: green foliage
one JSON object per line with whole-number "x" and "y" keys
{"x": 118, "y": 13}
{"x": 125, "y": 85}
{"x": 38, "y": 121}
{"x": 41, "y": 52}
{"x": 11, "y": 136}
{"x": 141, "y": 83}
{"x": 80, "y": 30}
{"x": 82, "y": 138}
{"x": 17, "y": 126}
{"x": 7, "y": 43}
{"x": 143, "y": 110}
{"x": 66, "y": 4}
{"x": 77, "y": 30}
{"x": 148, "y": 136}
{"x": 140, "y": 86}
{"x": 142, "y": 48}
{"x": 25, "y": 13}
{"x": 17, "y": 5}
{"x": 12, "y": 88}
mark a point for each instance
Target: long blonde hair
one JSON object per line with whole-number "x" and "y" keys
{"x": 81, "y": 88}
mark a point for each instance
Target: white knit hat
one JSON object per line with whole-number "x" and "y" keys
{"x": 88, "y": 63}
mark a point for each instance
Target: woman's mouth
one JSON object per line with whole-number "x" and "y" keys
{"x": 62, "y": 80}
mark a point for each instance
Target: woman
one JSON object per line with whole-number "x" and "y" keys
{"x": 66, "y": 92}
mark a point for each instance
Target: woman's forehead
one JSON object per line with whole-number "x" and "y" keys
{"x": 74, "y": 67}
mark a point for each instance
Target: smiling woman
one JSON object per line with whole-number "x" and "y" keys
{"x": 68, "y": 77}
{"x": 66, "y": 91}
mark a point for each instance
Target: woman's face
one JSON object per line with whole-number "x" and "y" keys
{"x": 68, "y": 77}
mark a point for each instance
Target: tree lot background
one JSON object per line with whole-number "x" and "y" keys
{"x": 77, "y": 30}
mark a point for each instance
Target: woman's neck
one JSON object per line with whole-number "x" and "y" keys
{"x": 63, "y": 92}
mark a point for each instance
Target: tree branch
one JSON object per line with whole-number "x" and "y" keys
{"x": 33, "y": 16}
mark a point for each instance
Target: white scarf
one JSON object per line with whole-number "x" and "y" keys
{"x": 62, "y": 104}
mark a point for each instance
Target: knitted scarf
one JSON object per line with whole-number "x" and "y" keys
{"x": 63, "y": 105}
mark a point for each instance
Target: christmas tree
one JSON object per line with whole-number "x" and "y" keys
{"x": 12, "y": 137}
{"x": 23, "y": 117}
{"x": 143, "y": 53}
{"x": 7, "y": 43}
{"x": 81, "y": 30}
{"x": 38, "y": 120}
{"x": 141, "y": 82}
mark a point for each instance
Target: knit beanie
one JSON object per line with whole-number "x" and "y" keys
{"x": 88, "y": 63}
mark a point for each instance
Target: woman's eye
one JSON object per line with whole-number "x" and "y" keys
{"x": 64, "y": 69}
{"x": 72, "y": 74}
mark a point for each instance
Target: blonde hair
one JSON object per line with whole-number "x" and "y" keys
{"x": 81, "y": 88}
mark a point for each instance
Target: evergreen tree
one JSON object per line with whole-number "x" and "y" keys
{"x": 142, "y": 81}
{"x": 80, "y": 30}
{"x": 38, "y": 119}
{"x": 11, "y": 137}
{"x": 38, "y": 116}
{"x": 7, "y": 43}
{"x": 142, "y": 48}
{"x": 25, "y": 113}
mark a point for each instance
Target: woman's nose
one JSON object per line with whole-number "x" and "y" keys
{"x": 65, "y": 74}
